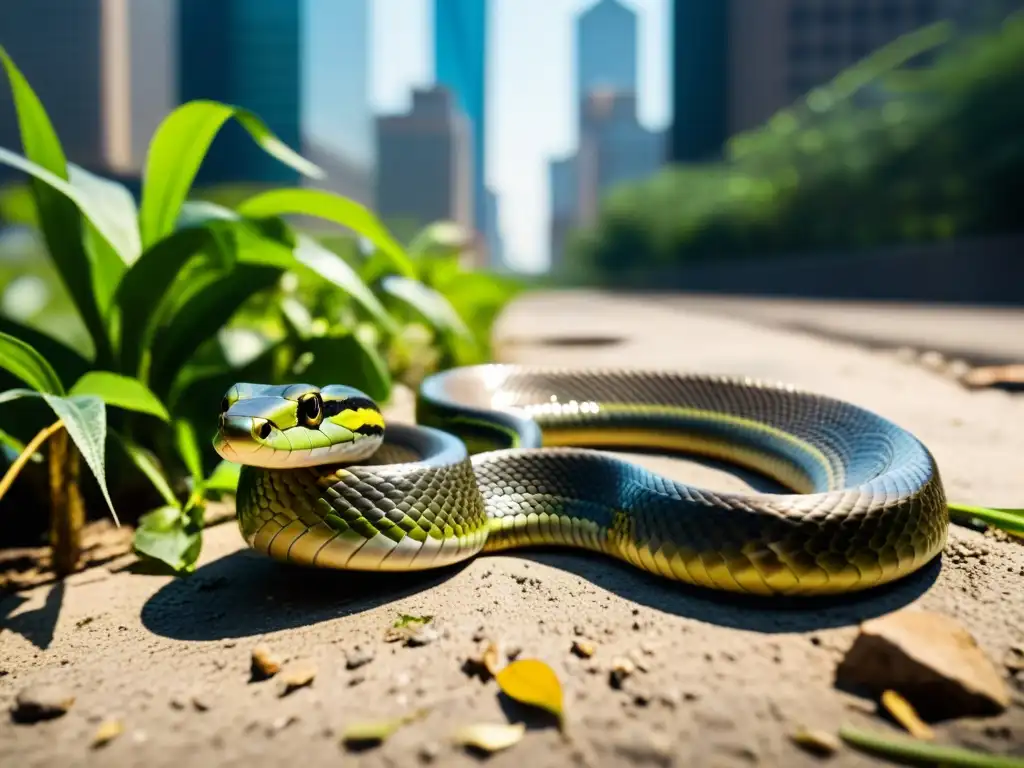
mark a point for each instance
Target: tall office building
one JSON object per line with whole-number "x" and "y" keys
{"x": 737, "y": 62}
{"x": 562, "y": 186}
{"x": 247, "y": 53}
{"x": 606, "y": 49}
{"x": 104, "y": 70}
{"x": 425, "y": 163}
{"x": 460, "y": 66}
{"x": 337, "y": 120}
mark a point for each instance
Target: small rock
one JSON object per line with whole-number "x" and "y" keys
{"x": 356, "y": 679}
{"x": 480, "y": 635}
{"x": 278, "y": 724}
{"x": 178, "y": 702}
{"x": 107, "y": 732}
{"x": 578, "y": 630}
{"x": 821, "y": 743}
{"x": 42, "y": 702}
{"x": 1014, "y": 659}
{"x": 264, "y": 663}
{"x": 359, "y": 656}
{"x": 930, "y": 659}
{"x": 429, "y": 752}
{"x": 621, "y": 669}
{"x": 583, "y": 649}
{"x": 425, "y": 635}
{"x": 512, "y": 651}
{"x": 201, "y": 703}
{"x": 297, "y": 675}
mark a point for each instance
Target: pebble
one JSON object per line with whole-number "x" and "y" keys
{"x": 42, "y": 702}
{"x": 621, "y": 669}
{"x": 816, "y": 742}
{"x": 359, "y": 656}
{"x": 425, "y": 635}
{"x": 299, "y": 674}
{"x": 264, "y": 663}
{"x": 583, "y": 649}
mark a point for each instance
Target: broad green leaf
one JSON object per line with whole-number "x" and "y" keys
{"x": 121, "y": 392}
{"x": 490, "y": 737}
{"x": 531, "y": 681}
{"x": 171, "y": 536}
{"x": 113, "y": 203}
{"x": 144, "y": 286}
{"x": 344, "y": 359}
{"x": 335, "y": 270}
{"x": 909, "y": 749}
{"x": 201, "y": 317}
{"x": 68, "y": 363}
{"x": 85, "y": 419}
{"x": 335, "y": 208}
{"x": 445, "y": 237}
{"x": 224, "y": 478}
{"x": 428, "y": 303}
{"x": 177, "y": 150}
{"x": 22, "y": 361}
{"x": 142, "y": 459}
{"x": 59, "y": 205}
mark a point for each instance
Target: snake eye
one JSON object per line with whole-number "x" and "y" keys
{"x": 224, "y": 405}
{"x": 265, "y": 430}
{"x": 310, "y": 410}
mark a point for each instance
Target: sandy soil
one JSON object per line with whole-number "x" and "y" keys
{"x": 724, "y": 681}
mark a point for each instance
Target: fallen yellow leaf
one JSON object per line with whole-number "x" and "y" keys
{"x": 907, "y": 716}
{"x": 490, "y": 659}
{"x": 531, "y": 681}
{"x": 490, "y": 737}
{"x": 107, "y": 731}
{"x": 370, "y": 732}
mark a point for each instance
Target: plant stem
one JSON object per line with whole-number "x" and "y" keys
{"x": 26, "y": 454}
{"x": 909, "y": 749}
{"x": 67, "y": 508}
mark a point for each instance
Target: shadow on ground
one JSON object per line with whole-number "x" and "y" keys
{"x": 245, "y": 594}
{"x": 37, "y": 626}
{"x": 748, "y": 612}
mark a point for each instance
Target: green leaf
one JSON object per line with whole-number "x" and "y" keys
{"x": 22, "y": 361}
{"x": 171, "y": 536}
{"x": 1009, "y": 520}
{"x": 177, "y": 150}
{"x": 224, "y": 478}
{"x": 59, "y": 205}
{"x": 201, "y": 317}
{"x": 68, "y": 364}
{"x": 335, "y": 208}
{"x": 906, "y": 748}
{"x": 344, "y": 359}
{"x": 145, "y": 285}
{"x": 85, "y": 419}
{"x": 121, "y": 392}
{"x": 432, "y": 306}
{"x": 335, "y": 270}
{"x": 146, "y": 464}
{"x": 188, "y": 449}
{"x": 114, "y": 204}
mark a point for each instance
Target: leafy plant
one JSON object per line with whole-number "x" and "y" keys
{"x": 167, "y": 291}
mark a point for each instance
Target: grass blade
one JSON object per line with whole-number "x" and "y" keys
{"x": 177, "y": 150}
{"x": 22, "y": 361}
{"x": 331, "y": 207}
{"x": 67, "y": 362}
{"x": 908, "y": 748}
{"x": 142, "y": 459}
{"x": 1009, "y": 520}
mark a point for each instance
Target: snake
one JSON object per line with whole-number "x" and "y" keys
{"x": 504, "y": 456}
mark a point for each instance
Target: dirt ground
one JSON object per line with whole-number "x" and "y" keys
{"x": 722, "y": 681}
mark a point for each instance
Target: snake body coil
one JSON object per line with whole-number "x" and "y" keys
{"x": 324, "y": 484}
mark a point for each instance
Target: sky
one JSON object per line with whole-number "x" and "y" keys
{"x": 531, "y": 70}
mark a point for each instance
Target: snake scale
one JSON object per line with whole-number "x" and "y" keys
{"x": 502, "y": 456}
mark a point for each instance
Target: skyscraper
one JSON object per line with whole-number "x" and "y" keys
{"x": 460, "y": 66}
{"x": 606, "y": 49}
{"x": 104, "y": 70}
{"x": 247, "y": 53}
{"x": 425, "y": 163}
{"x": 337, "y": 120}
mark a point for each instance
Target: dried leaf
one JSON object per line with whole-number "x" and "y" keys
{"x": 107, "y": 731}
{"x": 905, "y": 714}
{"x": 372, "y": 732}
{"x": 531, "y": 681}
{"x": 816, "y": 742}
{"x": 490, "y": 737}
{"x": 406, "y": 620}
{"x": 490, "y": 659}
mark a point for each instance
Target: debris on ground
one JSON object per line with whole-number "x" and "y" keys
{"x": 489, "y": 737}
{"x": 359, "y": 656}
{"x": 295, "y": 675}
{"x": 42, "y": 702}
{"x": 1010, "y": 377}
{"x": 532, "y": 682}
{"x": 928, "y": 658}
{"x": 583, "y": 648}
{"x": 264, "y": 663}
{"x": 424, "y": 635}
{"x": 905, "y": 714}
{"x": 107, "y": 731}
{"x": 817, "y": 742}
{"x": 622, "y": 668}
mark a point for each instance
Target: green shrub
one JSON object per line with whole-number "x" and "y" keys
{"x": 180, "y": 298}
{"x": 896, "y": 148}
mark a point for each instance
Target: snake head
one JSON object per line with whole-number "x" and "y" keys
{"x": 297, "y": 425}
